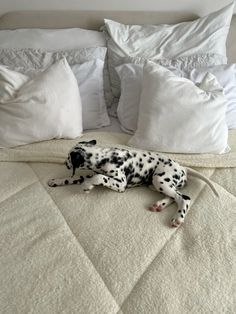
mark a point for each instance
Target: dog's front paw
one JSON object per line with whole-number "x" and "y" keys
{"x": 52, "y": 183}
{"x": 87, "y": 187}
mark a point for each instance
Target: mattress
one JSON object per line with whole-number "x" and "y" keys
{"x": 63, "y": 251}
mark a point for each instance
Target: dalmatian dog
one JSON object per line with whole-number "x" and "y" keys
{"x": 118, "y": 169}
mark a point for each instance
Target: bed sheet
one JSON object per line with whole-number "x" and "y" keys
{"x": 63, "y": 251}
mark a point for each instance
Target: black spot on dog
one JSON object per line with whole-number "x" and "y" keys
{"x": 66, "y": 181}
{"x": 167, "y": 179}
{"x": 102, "y": 162}
{"x": 161, "y": 174}
{"x": 175, "y": 176}
{"x": 185, "y": 197}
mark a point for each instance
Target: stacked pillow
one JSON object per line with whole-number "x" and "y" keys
{"x": 190, "y": 50}
{"x": 27, "y": 53}
{"x": 87, "y": 64}
{"x": 131, "y": 77}
{"x": 199, "y": 42}
{"x": 187, "y": 51}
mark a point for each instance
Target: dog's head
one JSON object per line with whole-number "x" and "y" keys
{"x": 77, "y": 155}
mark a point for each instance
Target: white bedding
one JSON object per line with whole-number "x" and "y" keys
{"x": 113, "y": 127}
{"x": 63, "y": 251}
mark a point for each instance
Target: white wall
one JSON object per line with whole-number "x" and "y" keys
{"x": 199, "y": 7}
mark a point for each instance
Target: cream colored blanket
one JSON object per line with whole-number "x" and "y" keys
{"x": 62, "y": 251}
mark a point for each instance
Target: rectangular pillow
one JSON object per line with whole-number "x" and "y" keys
{"x": 51, "y": 39}
{"x": 131, "y": 78}
{"x": 89, "y": 76}
{"x": 88, "y": 65}
{"x": 177, "y": 116}
{"x": 204, "y": 36}
{"x": 57, "y": 40}
{"x": 45, "y": 107}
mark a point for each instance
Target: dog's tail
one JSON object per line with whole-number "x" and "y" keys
{"x": 198, "y": 175}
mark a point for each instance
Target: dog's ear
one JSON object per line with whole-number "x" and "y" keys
{"x": 90, "y": 143}
{"x": 77, "y": 158}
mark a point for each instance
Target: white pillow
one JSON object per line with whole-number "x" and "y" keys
{"x": 90, "y": 80}
{"x": 10, "y": 82}
{"x": 204, "y": 36}
{"x": 51, "y": 39}
{"x": 177, "y": 116}
{"x": 131, "y": 76}
{"x": 88, "y": 65}
{"x": 44, "y": 108}
{"x": 226, "y": 76}
{"x": 58, "y": 40}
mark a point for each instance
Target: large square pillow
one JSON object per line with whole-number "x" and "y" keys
{"x": 204, "y": 37}
{"x": 43, "y": 108}
{"x": 177, "y": 116}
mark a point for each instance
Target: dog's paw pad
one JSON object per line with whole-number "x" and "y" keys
{"x": 155, "y": 208}
{"x": 176, "y": 222}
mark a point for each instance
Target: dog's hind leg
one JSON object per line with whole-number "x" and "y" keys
{"x": 161, "y": 204}
{"x": 182, "y": 200}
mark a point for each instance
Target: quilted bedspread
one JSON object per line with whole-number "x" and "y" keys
{"x": 63, "y": 251}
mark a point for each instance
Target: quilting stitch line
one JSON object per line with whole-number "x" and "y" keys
{"x": 113, "y": 298}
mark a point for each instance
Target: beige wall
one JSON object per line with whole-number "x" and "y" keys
{"x": 199, "y": 7}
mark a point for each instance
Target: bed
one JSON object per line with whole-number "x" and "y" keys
{"x": 63, "y": 251}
